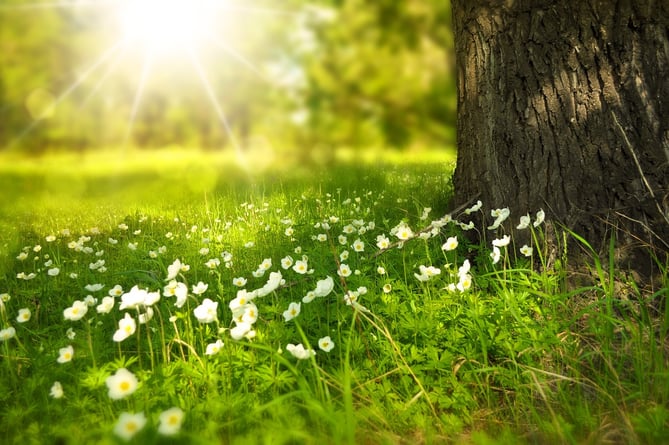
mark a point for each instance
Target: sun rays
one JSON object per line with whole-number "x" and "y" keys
{"x": 163, "y": 26}
{"x": 151, "y": 37}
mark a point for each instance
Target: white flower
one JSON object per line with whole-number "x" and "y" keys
{"x": 382, "y": 242}
{"x": 65, "y": 354}
{"x": 426, "y": 273}
{"x": 351, "y": 297}
{"x": 250, "y": 314}
{"x": 496, "y": 255}
{"x": 23, "y": 276}
{"x": 24, "y": 315}
{"x": 540, "y": 218}
{"x": 7, "y": 333}
{"x": 214, "y": 348}
{"x": 106, "y": 306}
{"x": 273, "y": 283}
{"x": 239, "y": 281}
{"x": 344, "y": 270}
{"x": 173, "y": 270}
{"x": 90, "y": 300}
{"x": 502, "y": 242}
{"x": 358, "y": 245}
{"x": 94, "y": 287}
{"x": 132, "y": 246}
{"x": 292, "y": 311}
{"x": 70, "y": 334}
{"x": 76, "y": 311}
{"x": 176, "y": 289}
{"x": 450, "y": 244}
{"x": 133, "y": 298}
{"x": 129, "y": 424}
{"x": 475, "y": 208}
{"x": 465, "y": 283}
{"x": 265, "y": 265}
{"x": 53, "y": 272}
{"x": 301, "y": 267}
{"x": 526, "y": 250}
{"x": 116, "y": 291}
{"x": 524, "y": 222}
{"x": 170, "y": 421}
{"x": 241, "y": 330}
{"x": 121, "y": 384}
{"x": 403, "y": 232}
{"x": 56, "y": 390}
{"x": 200, "y": 288}
{"x": 309, "y": 297}
{"x": 500, "y": 216}
{"x": 213, "y": 263}
{"x": 126, "y": 327}
{"x": 206, "y": 312}
{"x": 287, "y": 262}
{"x": 387, "y": 288}
{"x": 464, "y": 269}
{"x": 242, "y": 299}
{"x": 324, "y": 287}
{"x": 146, "y": 316}
{"x": 326, "y": 344}
{"x": 299, "y": 352}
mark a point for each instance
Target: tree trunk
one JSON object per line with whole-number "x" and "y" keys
{"x": 564, "y": 106}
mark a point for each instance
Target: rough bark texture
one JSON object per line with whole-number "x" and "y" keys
{"x": 564, "y": 106}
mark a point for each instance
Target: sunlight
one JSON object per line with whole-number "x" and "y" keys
{"x": 163, "y": 26}
{"x": 154, "y": 48}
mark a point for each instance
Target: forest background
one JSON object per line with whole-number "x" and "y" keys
{"x": 299, "y": 78}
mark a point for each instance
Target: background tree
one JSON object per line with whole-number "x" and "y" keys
{"x": 563, "y": 106}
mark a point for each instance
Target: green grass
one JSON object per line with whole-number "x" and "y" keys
{"x": 522, "y": 356}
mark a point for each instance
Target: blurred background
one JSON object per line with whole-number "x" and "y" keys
{"x": 290, "y": 76}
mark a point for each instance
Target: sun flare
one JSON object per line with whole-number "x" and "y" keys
{"x": 164, "y": 26}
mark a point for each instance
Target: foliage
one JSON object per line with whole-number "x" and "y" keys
{"x": 281, "y": 73}
{"x": 426, "y": 349}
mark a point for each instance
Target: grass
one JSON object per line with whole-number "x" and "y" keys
{"x": 521, "y": 356}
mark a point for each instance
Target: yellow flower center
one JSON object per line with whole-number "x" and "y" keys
{"x": 124, "y": 386}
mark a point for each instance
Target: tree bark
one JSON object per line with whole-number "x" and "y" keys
{"x": 564, "y": 106}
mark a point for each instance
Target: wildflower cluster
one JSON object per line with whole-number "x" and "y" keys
{"x": 324, "y": 272}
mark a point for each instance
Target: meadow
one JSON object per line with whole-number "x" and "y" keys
{"x": 178, "y": 297}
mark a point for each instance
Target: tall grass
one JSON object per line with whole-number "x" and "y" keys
{"x": 506, "y": 352}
